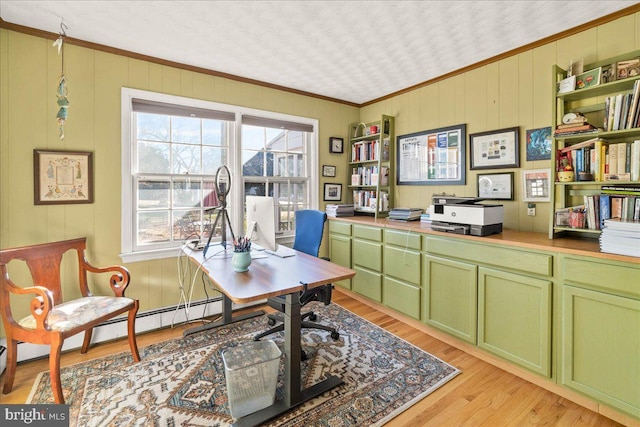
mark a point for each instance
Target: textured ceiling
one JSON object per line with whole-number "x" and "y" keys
{"x": 355, "y": 51}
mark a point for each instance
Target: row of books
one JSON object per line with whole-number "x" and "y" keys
{"x": 405, "y": 214}
{"x": 369, "y": 150}
{"x": 622, "y": 111}
{"x": 601, "y": 207}
{"x": 370, "y": 175}
{"x": 370, "y": 200}
{"x": 339, "y": 210}
{"x": 620, "y": 237}
{"x": 606, "y": 161}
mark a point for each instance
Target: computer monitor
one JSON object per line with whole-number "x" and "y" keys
{"x": 261, "y": 221}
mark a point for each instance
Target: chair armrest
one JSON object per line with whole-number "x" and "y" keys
{"x": 41, "y": 304}
{"x": 118, "y": 281}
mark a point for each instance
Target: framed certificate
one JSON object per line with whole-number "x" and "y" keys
{"x": 495, "y": 186}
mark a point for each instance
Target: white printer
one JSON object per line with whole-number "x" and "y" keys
{"x": 464, "y": 215}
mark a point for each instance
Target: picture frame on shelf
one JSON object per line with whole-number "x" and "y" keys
{"x": 538, "y": 144}
{"x": 589, "y": 78}
{"x": 495, "y": 149}
{"x": 332, "y": 192}
{"x": 495, "y": 186}
{"x": 432, "y": 157}
{"x": 628, "y": 68}
{"x": 336, "y": 145}
{"x": 536, "y": 185}
{"x": 329, "y": 171}
{"x": 62, "y": 177}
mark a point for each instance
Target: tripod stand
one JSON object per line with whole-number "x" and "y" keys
{"x": 222, "y": 214}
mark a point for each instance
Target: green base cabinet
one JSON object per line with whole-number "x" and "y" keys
{"x": 514, "y": 318}
{"x": 367, "y": 261}
{"x": 402, "y": 272}
{"x": 451, "y": 297}
{"x": 601, "y": 347}
{"x": 340, "y": 247}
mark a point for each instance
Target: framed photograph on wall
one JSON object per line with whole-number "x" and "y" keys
{"x": 62, "y": 177}
{"x": 495, "y": 149}
{"x": 432, "y": 157}
{"x": 332, "y": 192}
{"x": 495, "y": 186}
{"x": 336, "y": 145}
{"x": 536, "y": 185}
{"x": 328, "y": 170}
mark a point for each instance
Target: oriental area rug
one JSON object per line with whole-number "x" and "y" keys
{"x": 181, "y": 382}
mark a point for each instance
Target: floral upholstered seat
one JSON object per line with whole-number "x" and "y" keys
{"x": 69, "y": 315}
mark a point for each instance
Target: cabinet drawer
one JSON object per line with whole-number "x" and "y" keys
{"x": 404, "y": 239}
{"x": 367, "y": 254}
{"x": 510, "y": 258}
{"x": 369, "y": 233}
{"x": 337, "y": 227}
{"x": 368, "y": 284}
{"x": 610, "y": 277}
{"x": 402, "y": 297}
{"x": 402, "y": 264}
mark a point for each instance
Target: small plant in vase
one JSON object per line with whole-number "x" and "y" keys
{"x": 241, "y": 259}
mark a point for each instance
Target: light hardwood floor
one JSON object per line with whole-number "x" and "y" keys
{"x": 483, "y": 395}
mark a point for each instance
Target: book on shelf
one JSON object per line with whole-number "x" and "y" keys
{"x": 588, "y": 143}
{"x": 575, "y": 130}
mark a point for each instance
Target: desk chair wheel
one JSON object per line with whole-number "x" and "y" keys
{"x": 335, "y": 335}
{"x": 271, "y": 321}
{"x": 313, "y": 317}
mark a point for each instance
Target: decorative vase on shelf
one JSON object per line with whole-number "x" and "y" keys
{"x": 241, "y": 261}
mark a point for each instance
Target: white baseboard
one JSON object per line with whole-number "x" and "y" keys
{"x": 117, "y": 328}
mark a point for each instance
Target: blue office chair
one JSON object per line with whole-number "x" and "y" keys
{"x": 309, "y": 229}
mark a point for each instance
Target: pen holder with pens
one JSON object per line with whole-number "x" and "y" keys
{"x": 241, "y": 258}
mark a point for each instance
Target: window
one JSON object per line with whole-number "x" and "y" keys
{"x": 173, "y": 146}
{"x": 276, "y": 163}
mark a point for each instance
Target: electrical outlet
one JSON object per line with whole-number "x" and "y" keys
{"x": 531, "y": 211}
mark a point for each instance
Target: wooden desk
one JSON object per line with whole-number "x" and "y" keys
{"x": 269, "y": 277}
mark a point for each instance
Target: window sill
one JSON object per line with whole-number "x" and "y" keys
{"x": 150, "y": 255}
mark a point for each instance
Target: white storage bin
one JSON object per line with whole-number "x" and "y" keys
{"x": 251, "y": 372}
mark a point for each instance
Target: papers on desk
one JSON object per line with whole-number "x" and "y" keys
{"x": 282, "y": 251}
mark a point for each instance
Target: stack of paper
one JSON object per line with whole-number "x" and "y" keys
{"x": 620, "y": 237}
{"x": 338, "y": 210}
{"x": 405, "y": 214}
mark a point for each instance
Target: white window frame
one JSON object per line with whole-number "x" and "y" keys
{"x": 235, "y": 209}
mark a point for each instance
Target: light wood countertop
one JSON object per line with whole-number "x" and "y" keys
{"x": 520, "y": 239}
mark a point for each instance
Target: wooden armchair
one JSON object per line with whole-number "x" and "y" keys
{"x": 51, "y": 319}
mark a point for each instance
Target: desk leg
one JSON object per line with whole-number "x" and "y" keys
{"x": 227, "y": 318}
{"x": 293, "y": 393}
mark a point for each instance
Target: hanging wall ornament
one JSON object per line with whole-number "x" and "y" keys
{"x": 62, "y": 91}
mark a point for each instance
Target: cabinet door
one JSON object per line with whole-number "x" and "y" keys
{"x": 514, "y": 318}
{"x": 403, "y": 264}
{"x": 367, "y": 254}
{"x": 601, "y": 347}
{"x": 368, "y": 283}
{"x": 450, "y": 297}
{"x": 401, "y": 296}
{"x": 340, "y": 253}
